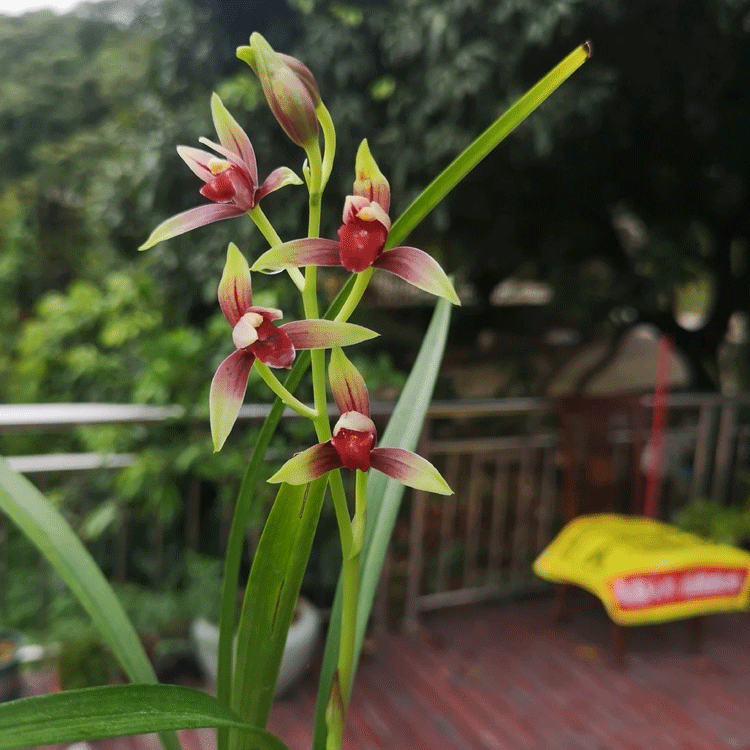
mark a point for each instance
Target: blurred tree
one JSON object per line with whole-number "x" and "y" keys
{"x": 631, "y": 181}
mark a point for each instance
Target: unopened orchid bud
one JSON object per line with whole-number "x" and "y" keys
{"x": 305, "y": 75}
{"x": 290, "y": 90}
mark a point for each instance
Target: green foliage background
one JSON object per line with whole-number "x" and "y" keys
{"x": 652, "y": 134}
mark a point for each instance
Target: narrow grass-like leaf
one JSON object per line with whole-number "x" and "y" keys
{"x": 270, "y": 598}
{"x": 50, "y": 532}
{"x": 115, "y": 711}
{"x": 404, "y": 428}
{"x": 484, "y": 144}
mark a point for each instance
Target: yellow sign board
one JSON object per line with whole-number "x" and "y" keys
{"x": 646, "y": 571}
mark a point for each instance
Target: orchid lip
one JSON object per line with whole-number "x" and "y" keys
{"x": 353, "y": 420}
{"x": 245, "y": 332}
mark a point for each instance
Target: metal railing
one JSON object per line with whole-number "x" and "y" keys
{"x": 476, "y": 544}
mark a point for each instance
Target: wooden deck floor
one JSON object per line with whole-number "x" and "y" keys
{"x": 506, "y": 678}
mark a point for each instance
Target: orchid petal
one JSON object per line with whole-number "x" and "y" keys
{"x": 308, "y": 465}
{"x": 227, "y": 394}
{"x": 353, "y": 204}
{"x": 347, "y": 385}
{"x": 230, "y": 156}
{"x": 198, "y": 161}
{"x": 409, "y": 469}
{"x": 374, "y": 212}
{"x": 369, "y": 181}
{"x": 191, "y": 219}
{"x": 313, "y": 251}
{"x": 233, "y": 137}
{"x": 279, "y": 178}
{"x": 235, "y": 292}
{"x": 419, "y": 269}
{"x": 323, "y": 334}
{"x": 269, "y": 313}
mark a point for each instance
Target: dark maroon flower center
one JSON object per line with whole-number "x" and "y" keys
{"x": 353, "y": 447}
{"x": 273, "y": 347}
{"x": 230, "y": 185}
{"x": 360, "y": 242}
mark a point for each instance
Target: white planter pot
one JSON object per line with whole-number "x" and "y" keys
{"x": 299, "y": 648}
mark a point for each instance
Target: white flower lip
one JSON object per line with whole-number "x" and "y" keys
{"x": 245, "y": 332}
{"x": 353, "y": 420}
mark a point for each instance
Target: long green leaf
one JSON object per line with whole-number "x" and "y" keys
{"x": 404, "y": 428}
{"x": 117, "y": 710}
{"x": 270, "y": 597}
{"x": 484, "y": 144}
{"x": 51, "y": 533}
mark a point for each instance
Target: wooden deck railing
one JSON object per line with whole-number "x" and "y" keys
{"x": 478, "y": 543}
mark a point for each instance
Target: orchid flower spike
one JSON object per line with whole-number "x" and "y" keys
{"x": 289, "y": 87}
{"x": 256, "y": 337}
{"x": 362, "y": 238}
{"x": 353, "y": 443}
{"x": 231, "y": 182}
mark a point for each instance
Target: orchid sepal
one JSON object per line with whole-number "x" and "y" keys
{"x": 191, "y": 219}
{"x": 409, "y": 469}
{"x": 347, "y": 384}
{"x": 308, "y": 465}
{"x": 419, "y": 269}
{"x": 369, "y": 181}
{"x": 227, "y": 394}
{"x": 232, "y": 136}
{"x": 235, "y": 291}
{"x": 311, "y": 251}
{"x": 324, "y": 334}
{"x": 198, "y": 161}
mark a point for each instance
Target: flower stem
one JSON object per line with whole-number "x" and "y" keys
{"x": 273, "y": 239}
{"x": 363, "y": 279}
{"x": 350, "y": 592}
{"x": 360, "y": 511}
{"x": 315, "y": 188}
{"x": 275, "y": 385}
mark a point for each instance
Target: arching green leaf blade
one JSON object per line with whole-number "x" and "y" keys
{"x": 117, "y": 710}
{"x": 50, "y": 532}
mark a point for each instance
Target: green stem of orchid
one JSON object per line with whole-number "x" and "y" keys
{"x": 350, "y": 566}
{"x": 360, "y": 285}
{"x": 315, "y": 183}
{"x": 360, "y": 511}
{"x": 338, "y": 495}
{"x": 329, "y": 140}
{"x": 350, "y": 575}
{"x": 266, "y": 229}
{"x": 275, "y": 385}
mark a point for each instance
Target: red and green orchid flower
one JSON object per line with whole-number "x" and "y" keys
{"x": 257, "y": 338}
{"x": 362, "y": 238}
{"x": 353, "y": 443}
{"x": 231, "y": 182}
